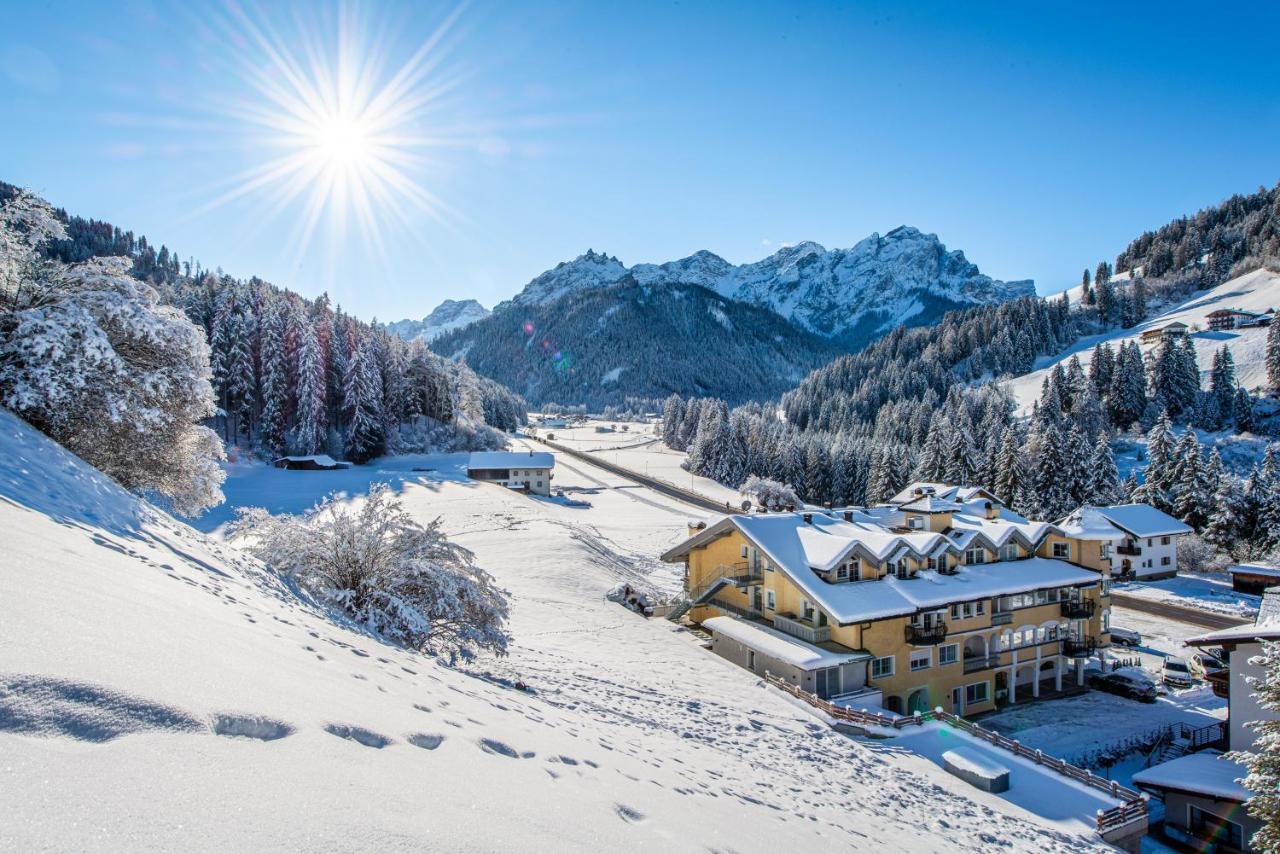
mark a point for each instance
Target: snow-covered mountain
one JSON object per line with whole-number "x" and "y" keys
{"x": 446, "y": 317}
{"x": 845, "y": 295}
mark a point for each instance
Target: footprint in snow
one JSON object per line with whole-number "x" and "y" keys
{"x": 250, "y": 726}
{"x": 360, "y": 735}
{"x": 427, "y": 741}
{"x": 48, "y": 706}
{"x": 628, "y": 814}
{"x": 492, "y": 745}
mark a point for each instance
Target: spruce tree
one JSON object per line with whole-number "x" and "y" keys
{"x": 1156, "y": 480}
{"x": 275, "y": 382}
{"x": 308, "y": 435}
{"x": 1104, "y": 485}
{"x": 1273, "y": 355}
{"x": 933, "y": 458}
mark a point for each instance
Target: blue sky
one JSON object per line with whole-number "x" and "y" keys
{"x": 1037, "y": 138}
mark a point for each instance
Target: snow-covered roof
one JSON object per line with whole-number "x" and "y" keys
{"x": 775, "y": 644}
{"x": 1206, "y": 773}
{"x": 511, "y": 460}
{"x": 1255, "y": 569}
{"x": 1143, "y": 520}
{"x": 974, "y": 761}
{"x": 797, "y": 547}
{"x": 1088, "y": 523}
{"x": 1266, "y": 626}
{"x": 943, "y": 491}
{"x": 318, "y": 459}
{"x": 931, "y": 504}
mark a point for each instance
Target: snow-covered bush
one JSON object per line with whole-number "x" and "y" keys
{"x": 404, "y": 581}
{"x": 1196, "y": 555}
{"x": 769, "y": 494}
{"x": 91, "y": 356}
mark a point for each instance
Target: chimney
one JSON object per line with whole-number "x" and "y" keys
{"x": 848, "y": 515}
{"x": 992, "y": 512}
{"x": 808, "y": 518}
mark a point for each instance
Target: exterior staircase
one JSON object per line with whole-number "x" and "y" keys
{"x": 740, "y": 575}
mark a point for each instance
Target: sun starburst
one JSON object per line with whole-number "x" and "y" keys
{"x": 338, "y": 131}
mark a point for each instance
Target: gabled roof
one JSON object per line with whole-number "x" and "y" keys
{"x": 1088, "y": 523}
{"x": 1143, "y": 520}
{"x": 511, "y": 460}
{"x": 797, "y": 547}
{"x": 931, "y": 504}
{"x": 1207, "y": 773}
{"x": 943, "y": 491}
{"x": 1266, "y": 626}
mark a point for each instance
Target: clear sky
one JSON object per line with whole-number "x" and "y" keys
{"x": 1039, "y": 138}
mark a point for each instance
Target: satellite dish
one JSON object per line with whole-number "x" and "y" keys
{"x": 746, "y": 506}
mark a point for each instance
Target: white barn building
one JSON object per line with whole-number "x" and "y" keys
{"x": 528, "y": 471}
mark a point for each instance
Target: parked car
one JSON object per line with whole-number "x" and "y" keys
{"x": 1129, "y": 682}
{"x": 1204, "y": 662}
{"x": 1177, "y": 672}
{"x": 1126, "y": 637}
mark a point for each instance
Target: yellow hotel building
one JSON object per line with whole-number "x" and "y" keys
{"x": 941, "y": 597}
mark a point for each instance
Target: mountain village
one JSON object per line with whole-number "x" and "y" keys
{"x": 745, "y": 543}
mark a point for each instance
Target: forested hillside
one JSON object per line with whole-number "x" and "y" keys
{"x": 598, "y": 346}
{"x": 301, "y": 376}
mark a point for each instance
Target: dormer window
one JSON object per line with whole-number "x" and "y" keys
{"x": 849, "y": 570}
{"x": 915, "y": 522}
{"x": 978, "y": 555}
{"x": 1010, "y": 551}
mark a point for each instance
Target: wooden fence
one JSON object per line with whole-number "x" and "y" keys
{"x": 1133, "y": 808}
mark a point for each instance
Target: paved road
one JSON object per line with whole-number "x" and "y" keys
{"x": 1180, "y": 613}
{"x": 699, "y": 501}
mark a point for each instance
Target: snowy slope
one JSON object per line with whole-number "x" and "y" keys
{"x": 848, "y": 295}
{"x": 446, "y": 317}
{"x": 158, "y": 690}
{"x": 1257, "y": 291}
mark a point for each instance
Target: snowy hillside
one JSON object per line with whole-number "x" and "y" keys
{"x": 1258, "y": 291}
{"x": 847, "y": 295}
{"x": 446, "y": 317}
{"x": 160, "y": 691}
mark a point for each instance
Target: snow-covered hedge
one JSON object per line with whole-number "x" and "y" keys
{"x": 402, "y": 580}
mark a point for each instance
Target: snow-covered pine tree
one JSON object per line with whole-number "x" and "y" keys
{"x": 1101, "y": 368}
{"x": 1157, "y": 477}
{"x": 273, "y": 427}
{"x": 1273, "y": 357}
{"x": 672, "y": 417}
{"x": 1076, "y": 474}
{"x": 1128, "y": 395}
{"x": 1191, "y": 492}
{"x": 1104, "y": 484}
{"x": 961, "y": 469}
{"x": 310, "y": 428}
{"x": 362, "y": 399}
{"x": 1242, "y": 411}
{"x": 1009, "y": 469}
{"x": 1263, "y": 759}
{"x": 1053, "y": 500}
{"x": 1222, "y": 382}
{"x": 932, "y": 465}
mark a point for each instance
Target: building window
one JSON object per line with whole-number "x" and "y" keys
{"x": 1164, "y": 541}
{"x": 975, "y": 693}
{"x": 806, "y": 609}
{"x": 1214, "y": 828}
{"x": 915, "y": 522}
{"x": 1062, "y": 551}
{"x": 980, "y": 607}
{"x": 743, "y": 551}
{"x": 975, "y": 556}
{"x": 882, "y": 667}
{"x": 1104, "y": 550}
{"x": 1166, "y": 560}
{"x": 826, "y": 682}
{"x": 1011, "y": 552}
{"x": 921, "y": 660}
{"x": 1148, "y": 541}
{"x": 770, "y": 601}
{"x": 948, "y": 654}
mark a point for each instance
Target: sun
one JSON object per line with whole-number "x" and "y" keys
{"x": 342, "y": 141}
{"x": 342, "y": 133}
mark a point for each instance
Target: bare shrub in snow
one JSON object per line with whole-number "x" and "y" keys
{"x": 91, "y": 356}
{"x": 404, "y": 581}
{"x": 1196, "y": 555}
{"x": 769, "y": 493}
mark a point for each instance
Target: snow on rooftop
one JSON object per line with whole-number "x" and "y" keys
{"x": 1206, "y": 773}
{"x": 1255, "y": 569}
{"x": 975, "y": 762}
{"x": 775, "y": 644}
{"x": 511, "y": 459}
{"x": 931, "y": 504}
{"x": 1143, "y": 520}
{"x": 1088, "y": 523}
{"x": 319, "y": 459}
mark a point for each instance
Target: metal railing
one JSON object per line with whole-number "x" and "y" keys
{"x": 803, "y": 629}
{"x": 1132, "y": 809}
{"x": 1076, "y": 609}
{"x": 921, "y": 635}
{"x": 972, "y": 664}
{"x": 1132, "y": 551}
{"x": 1001, "y": 618}
{"x": 1079, "y": 647}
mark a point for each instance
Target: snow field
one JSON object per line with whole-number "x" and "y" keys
{"x": 162, "y": 690}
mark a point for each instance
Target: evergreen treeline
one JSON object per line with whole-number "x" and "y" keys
{"x": 292, "y": 375}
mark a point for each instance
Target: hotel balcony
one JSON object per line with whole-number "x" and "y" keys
{"x": 1129, "y": 549}
{"x": 972, "y": 664}
{"x": 803, "y": 629}
{"x": 1081, "y": 609}
{"x": 1001, "y": 618}
{"x": 925, "y": 635}
{"x": 1079, "y": 647}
